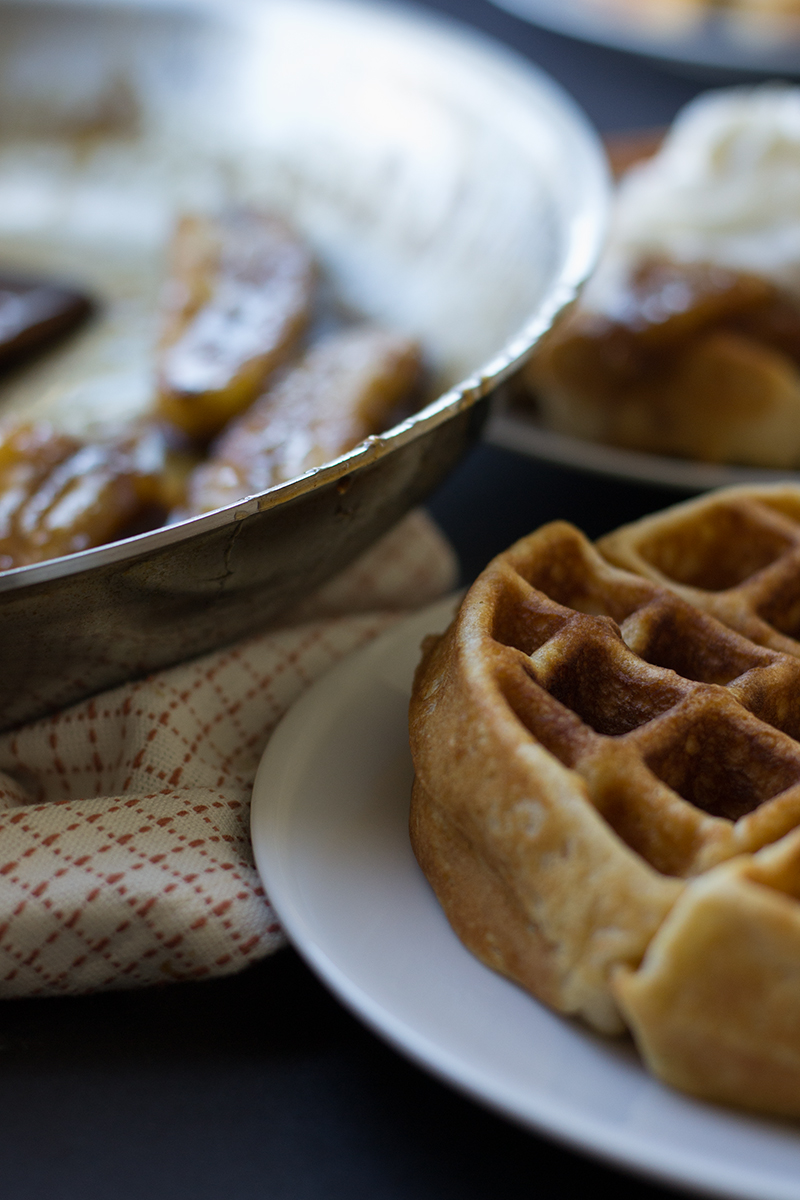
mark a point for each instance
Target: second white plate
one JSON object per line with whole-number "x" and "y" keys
{"x": 330, "y": 814}
{"x": 714, "y": 43}
{"x": 514, "y": 430}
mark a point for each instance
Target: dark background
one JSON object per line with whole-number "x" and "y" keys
{"x": 261, "y": 1085}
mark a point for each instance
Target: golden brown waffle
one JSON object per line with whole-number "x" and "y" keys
{"x": 734, "y": 553}
{"x": 607, "y": 804}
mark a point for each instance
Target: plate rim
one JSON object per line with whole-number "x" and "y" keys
{"x": 512, "y": 429}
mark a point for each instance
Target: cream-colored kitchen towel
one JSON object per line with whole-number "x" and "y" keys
{"x": 125, "y": 855}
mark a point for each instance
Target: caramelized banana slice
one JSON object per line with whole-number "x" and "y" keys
{"x": 34, "y": 312}
{"x": 237, "y": 300}
{"x": 348, "y": 386}
{"x": 689, "y": 359}
{"x": 59, "y": 495}
{"x": 656, "y": 312}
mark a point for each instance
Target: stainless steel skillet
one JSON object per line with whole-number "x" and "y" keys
{"x": 449, "y": 190}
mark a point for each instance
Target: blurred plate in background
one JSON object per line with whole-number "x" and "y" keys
{"x": 714, "y": 42}
{"x": 516, "y": 429}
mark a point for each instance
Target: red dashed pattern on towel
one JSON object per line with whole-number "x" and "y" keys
{"x": 125, "y": 855}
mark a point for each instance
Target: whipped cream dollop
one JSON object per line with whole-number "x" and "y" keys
{"x": 724, "y": 188}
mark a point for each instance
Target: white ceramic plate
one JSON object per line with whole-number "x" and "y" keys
{"x": 330, "y": 811}
{"x": 714, "y": 43}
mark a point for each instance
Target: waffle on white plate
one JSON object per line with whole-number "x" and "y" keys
{"x": 607, "y": 795}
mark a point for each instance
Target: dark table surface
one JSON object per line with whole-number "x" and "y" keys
{"x": 262, "y": 1085}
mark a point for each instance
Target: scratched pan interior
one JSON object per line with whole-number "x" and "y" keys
{"x": 449, "y": 190}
